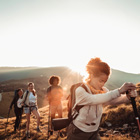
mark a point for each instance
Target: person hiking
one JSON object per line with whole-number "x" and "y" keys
{"x": 30, "y": 105}
{"x": 54, "y": 94}
{"x": 85, "y": 126}
{"x": 18, "y": 109}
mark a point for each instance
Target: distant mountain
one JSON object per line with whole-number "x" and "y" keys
{"x": 68, "y": 76}
{"x": 14, "y": 78}
{"x": 15, "y": 73}
{"x": 117, "y": 78}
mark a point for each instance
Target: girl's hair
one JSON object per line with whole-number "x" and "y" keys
{"x": 52, "y": 78}
{"x": 30, "y": 83}
{"x": 95, "y": 66}
{"x": 18, "y": 89}
{"x": 33, "y": 91}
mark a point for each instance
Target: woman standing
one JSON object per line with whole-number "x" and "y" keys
{"x": 55, "y": 94}
{"x": 18, "y": 109}
{"x": 30, "y": 105}
{"x": 86, "y": 125}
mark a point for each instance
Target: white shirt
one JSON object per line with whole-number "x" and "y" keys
{"x": 32, "y": 98}
{"x": 19, "y": 102}
{"x": 92, "y": 110}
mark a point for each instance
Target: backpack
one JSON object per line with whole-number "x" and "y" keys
{"x": 15, "y": 93}
{"x": 73, "y": 113}
{"x": 60, "y": 123}
{"x": 27, "y": 92}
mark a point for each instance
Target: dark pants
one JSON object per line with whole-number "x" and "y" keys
{"x": 18, "y": 113}
{"x": 74, "y": 133}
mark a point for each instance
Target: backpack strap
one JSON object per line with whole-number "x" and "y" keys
{"x": 83, "y": 85}
{"x": 77, "y": 107}
{"x": 25, "y": 98}
{"x": 15, "y": 93}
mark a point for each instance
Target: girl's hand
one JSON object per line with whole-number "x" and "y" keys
{"x": 22, "y": 104}
{"x": 126, "y": 87}
{"x": 132, "y": 93}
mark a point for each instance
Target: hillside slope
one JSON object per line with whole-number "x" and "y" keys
{"x": 117, "y": 78}
{"x": 114, "y": 132}
{"x": 29, "y": 72}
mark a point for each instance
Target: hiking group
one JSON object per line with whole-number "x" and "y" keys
{"x": 85, "y": 105}
{"x": 28, "y": 103}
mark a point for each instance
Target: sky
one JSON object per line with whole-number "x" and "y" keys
{"x": 48, "y": 33}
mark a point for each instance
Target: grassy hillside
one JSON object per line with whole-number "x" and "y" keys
{"x": 15, "y": 73}
{"x": 117, "y": 78}
{"x": 117, "y": 116}
{"x": 9, "y": 133}
{"x": 23, "y": 73}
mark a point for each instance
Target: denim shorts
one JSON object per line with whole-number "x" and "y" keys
{"x": 28, "y": 110}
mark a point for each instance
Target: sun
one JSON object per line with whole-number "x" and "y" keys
{"x": 80, "y": 69}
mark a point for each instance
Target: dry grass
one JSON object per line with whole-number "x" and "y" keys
{"x": 121, "y": 114}
{"x": 9, "y": 133}
{"x": 116, "y": 115}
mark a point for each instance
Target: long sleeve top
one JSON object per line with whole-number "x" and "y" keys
{"x": 89, "y": 116}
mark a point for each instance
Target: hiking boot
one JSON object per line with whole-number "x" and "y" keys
{"x": 28, "y": 134}
{"x": 14, "y": 130}
{"x": 38, "y": 129}
{"x": 50, "y": 132}
{"x": 61, "y": 135}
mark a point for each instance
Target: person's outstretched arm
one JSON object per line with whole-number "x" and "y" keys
{"x": 84, "y": 98}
